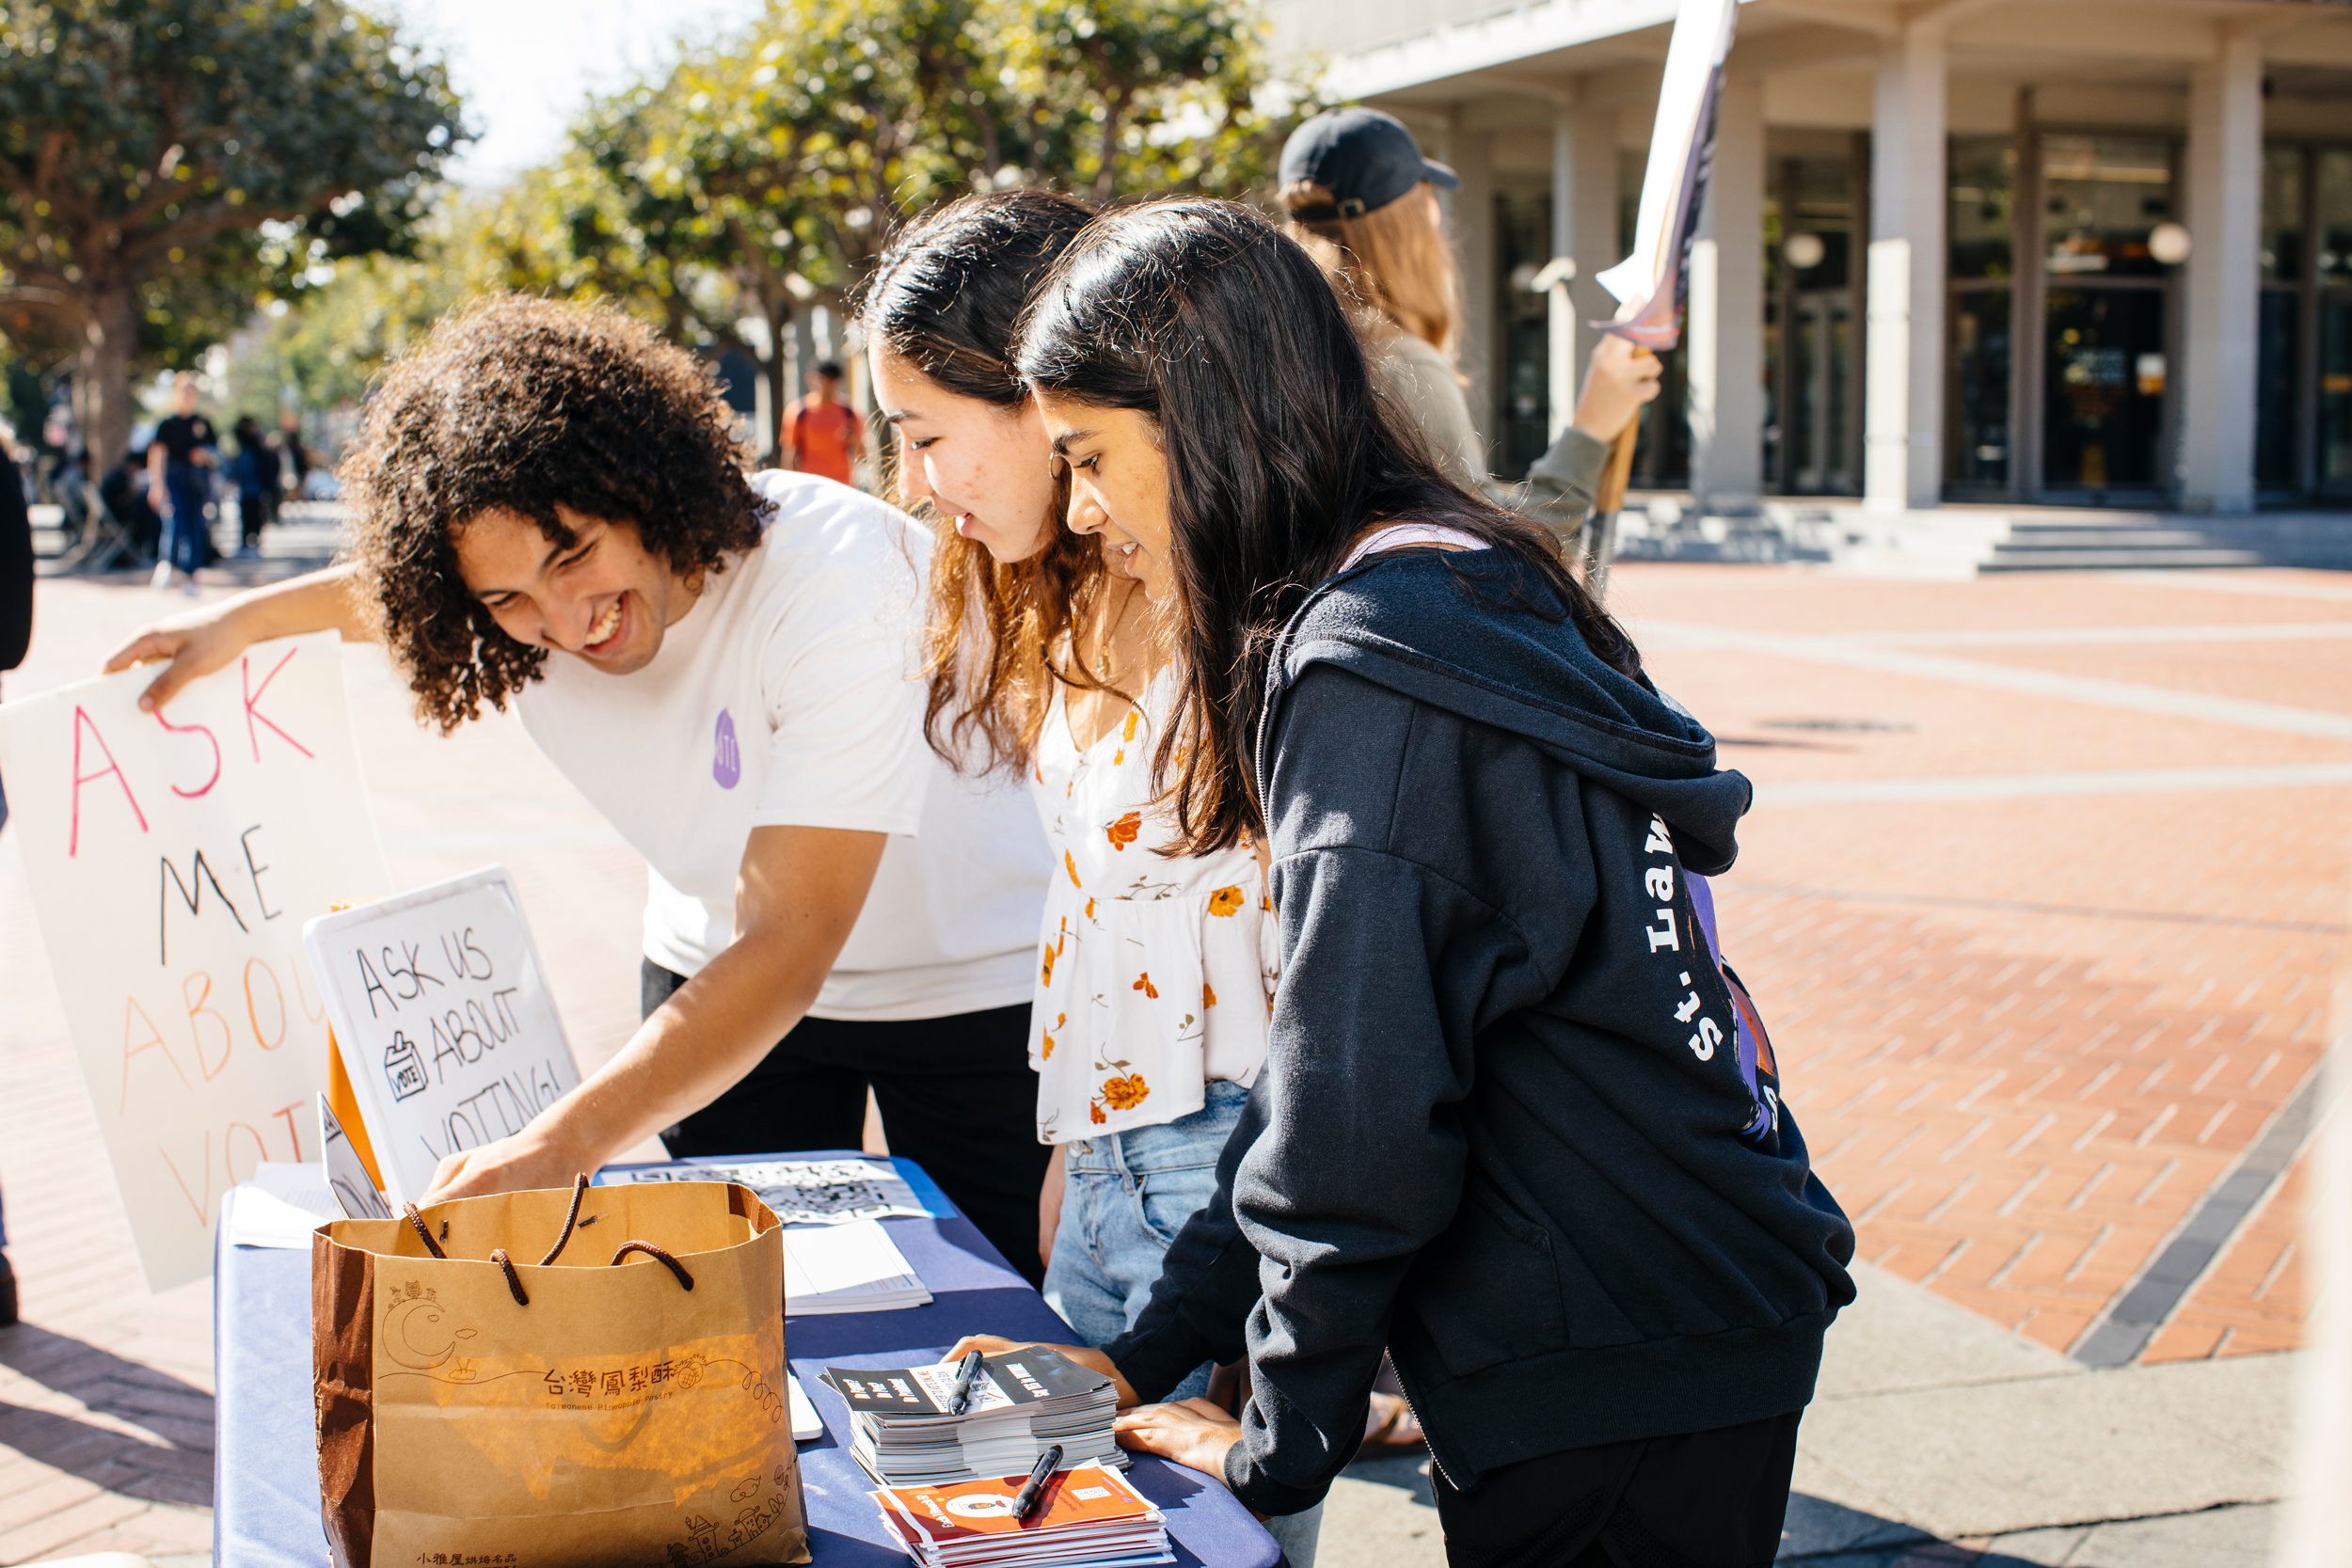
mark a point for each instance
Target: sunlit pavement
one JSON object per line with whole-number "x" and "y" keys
{"x": 2044, "y": 896}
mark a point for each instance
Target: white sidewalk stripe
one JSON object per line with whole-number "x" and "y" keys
{"x": 1855, "y": 654}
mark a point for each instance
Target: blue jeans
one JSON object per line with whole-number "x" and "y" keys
{"x": 187, "y": 487}
{"x": 1124, "y": 1198}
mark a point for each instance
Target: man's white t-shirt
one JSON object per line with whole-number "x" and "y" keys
{"x": 790, "y": 696}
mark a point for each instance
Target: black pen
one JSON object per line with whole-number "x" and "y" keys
{"x": 960, "y": 1392}
{"x": 1033, "y": 1490}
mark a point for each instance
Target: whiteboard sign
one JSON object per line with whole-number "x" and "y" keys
{"x": 173, "y": 858}
{"x": 444, "y": 1022}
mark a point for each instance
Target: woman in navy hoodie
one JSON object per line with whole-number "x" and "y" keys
{"x": 1517, "y": 1123}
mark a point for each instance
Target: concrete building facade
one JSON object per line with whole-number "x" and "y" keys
{"x": 2083, "y": 252}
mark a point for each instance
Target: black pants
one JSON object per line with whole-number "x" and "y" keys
{"x": 1703, "y": 1499}
{"x": 255, "y": 509}
{"x": 957, "y": 1097}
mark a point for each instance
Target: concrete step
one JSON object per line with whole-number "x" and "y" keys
{"x": 2107, "y": 539}
{"x": 2006, "y": 559}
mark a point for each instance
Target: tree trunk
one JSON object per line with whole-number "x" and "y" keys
{"x": 106, "y": 371}
{"x": 779, "y": 371}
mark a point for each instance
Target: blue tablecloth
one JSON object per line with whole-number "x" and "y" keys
{"x": 265, "y": 1493}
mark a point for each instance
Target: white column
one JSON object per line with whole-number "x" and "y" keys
{"x": 1903, "y": 441}
{"x": 1584, "y": 227}
{"x": 1473, "y": 226}
{"x": 2225, "y": 151}
{"x": 1725, "y": 337}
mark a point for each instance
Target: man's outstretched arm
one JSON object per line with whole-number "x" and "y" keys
{"x": 797, "y": 896}
{"x": 206, "y": 639}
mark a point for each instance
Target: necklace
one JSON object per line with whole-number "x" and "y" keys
{"x": 1103, "y": 654}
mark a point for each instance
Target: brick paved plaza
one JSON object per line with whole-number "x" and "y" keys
{"x": 2045, "y": 895}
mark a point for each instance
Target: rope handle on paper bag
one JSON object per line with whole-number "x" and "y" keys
{"x": 659, "y": 1255}
{"x": 580, "y": 1190}
{"x": 571, "y": 1222}
{"x": 424, "y": 1232}
{"x": 513, "y": 1280}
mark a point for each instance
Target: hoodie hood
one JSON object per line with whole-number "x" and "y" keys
{"x": 1455, "y": 630}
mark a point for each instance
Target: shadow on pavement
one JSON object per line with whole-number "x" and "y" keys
{"x": 1408, "y": 1473}
{"x": 168, "y": 1457}
{"x": 1822, "y": 1534}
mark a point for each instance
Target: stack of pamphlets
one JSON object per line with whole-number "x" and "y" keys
{"x": 797, "y": 1192}
{"x": 1022, "y": 1403}
{"x": 846, "y": 1268}
{"x": 1090, "y": 1517}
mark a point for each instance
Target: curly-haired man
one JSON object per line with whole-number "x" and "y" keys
{"x": 550, "y": 506}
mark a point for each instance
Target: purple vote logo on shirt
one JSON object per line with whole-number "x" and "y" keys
{"x": 726, "y": 764}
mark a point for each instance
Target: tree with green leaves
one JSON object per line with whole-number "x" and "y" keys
{"x": 163, "y": 161}
{"x": 763, "y": 176}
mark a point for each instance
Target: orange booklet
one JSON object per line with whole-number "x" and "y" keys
{"x": 972, "y": 1521}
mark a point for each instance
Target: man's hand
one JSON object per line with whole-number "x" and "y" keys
{"x": 1621, "y": 378}
{"x": 532, "y": 1158}
{"x": 991, "y": 1344}
{"x": 1192, "y": 1432}
{"x": 202, "y": 640}
{"x": 195, "y": 643}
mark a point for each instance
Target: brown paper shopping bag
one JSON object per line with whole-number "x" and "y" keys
{"x": 620, "y": 1402}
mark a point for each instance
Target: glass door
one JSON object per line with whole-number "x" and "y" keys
{"x": 1979, "y": 444}
{"x": 1821, "y": 349}
{"x": 2334, "y": 479}
{"x": 2106, "y": 319}
{"x": 2104, "y": 391}
{"x": 2332, "y": 298}
{"x": 1813, "y": 220}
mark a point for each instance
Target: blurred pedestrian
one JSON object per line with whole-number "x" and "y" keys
{"x": 256, "y": 470}
{"x": 76, "y": 498}
{"x": 125, "y": 490}
{"x": 180, "y": 466}
{"x": 289, "y": 446}
{"x": 1363, "y": 201}
{"x": 823, "y": 435}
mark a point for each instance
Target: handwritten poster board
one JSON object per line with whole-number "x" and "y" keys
{"x": 173, "y": 859}
{"x": 444, "y": 1022}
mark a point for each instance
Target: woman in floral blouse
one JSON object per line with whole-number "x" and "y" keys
{"x": 1046, "y": 655}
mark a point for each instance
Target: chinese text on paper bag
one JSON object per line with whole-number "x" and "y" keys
{"x": 173, "y": 859}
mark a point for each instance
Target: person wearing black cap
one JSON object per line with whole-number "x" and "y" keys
{"x": 1360, "y": 197}
{"x": 1363, "y": 201}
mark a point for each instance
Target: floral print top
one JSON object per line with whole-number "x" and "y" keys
{"x": 1155, "y": 975}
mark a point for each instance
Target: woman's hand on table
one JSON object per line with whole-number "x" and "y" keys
{"x": 1196, "y": 1433}
{"x": 991, "y": 1344}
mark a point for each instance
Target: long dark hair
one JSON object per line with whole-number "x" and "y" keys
{"x": 1202, "y": 315}
{"x": 945, "y": 298}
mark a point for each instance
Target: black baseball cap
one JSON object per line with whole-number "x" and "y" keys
{"x": 1364, "y": 158}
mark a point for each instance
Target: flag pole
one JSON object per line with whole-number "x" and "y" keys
{"x": 1600, "y": 535}
{"x": 1652, "y": 283}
